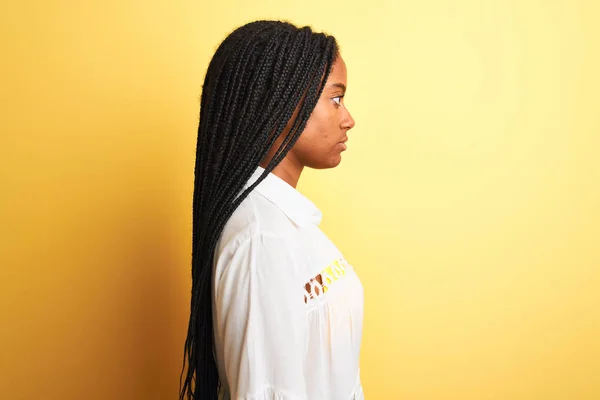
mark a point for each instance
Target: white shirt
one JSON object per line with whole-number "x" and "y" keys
{"x": 279, "y": 333}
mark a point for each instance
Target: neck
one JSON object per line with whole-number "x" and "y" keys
{"x": 289, "y": 170}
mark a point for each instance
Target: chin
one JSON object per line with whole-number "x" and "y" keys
{"x": 337, "y": 162}
{"x": 331, "y": 163}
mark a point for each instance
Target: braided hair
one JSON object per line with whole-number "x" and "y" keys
{"x": 260, "y": 76}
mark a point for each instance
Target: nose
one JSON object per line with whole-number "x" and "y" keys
{"x": 347, "y": 122}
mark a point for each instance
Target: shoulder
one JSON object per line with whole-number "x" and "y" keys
{"x": 256, "y": 218}
{"x": 259, "y": 244}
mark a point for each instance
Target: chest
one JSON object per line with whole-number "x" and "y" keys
{"x": 328, "y": 278}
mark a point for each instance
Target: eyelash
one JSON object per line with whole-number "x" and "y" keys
{"x": 338, "y": 102}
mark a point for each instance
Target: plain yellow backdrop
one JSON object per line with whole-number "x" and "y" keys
{"x": 468, "y": 200}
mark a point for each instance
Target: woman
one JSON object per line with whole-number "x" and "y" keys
{"x": 276, "y": 311}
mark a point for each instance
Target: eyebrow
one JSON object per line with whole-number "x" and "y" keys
{"x": 339, "y": 85}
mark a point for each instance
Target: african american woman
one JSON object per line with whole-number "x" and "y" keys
{"x": 276, "y": 310}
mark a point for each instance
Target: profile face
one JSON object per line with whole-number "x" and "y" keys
{"x": 324, "y": 138}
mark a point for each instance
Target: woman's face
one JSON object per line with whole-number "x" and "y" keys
{"x": 321, "y": 143}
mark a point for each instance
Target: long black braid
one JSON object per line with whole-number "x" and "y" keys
{"x": 259, "y": 76}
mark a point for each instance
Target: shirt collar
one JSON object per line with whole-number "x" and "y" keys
{"x": 294, "y": 204}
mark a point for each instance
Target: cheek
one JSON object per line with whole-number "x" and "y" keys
{"x": 321, "y": 124}
{"x": 316, "y": 144}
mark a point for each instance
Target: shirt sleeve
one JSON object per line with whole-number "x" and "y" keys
{"x": 261, "y": 320}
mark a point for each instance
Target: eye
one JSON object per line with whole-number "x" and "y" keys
{"x": 338, "y": 100}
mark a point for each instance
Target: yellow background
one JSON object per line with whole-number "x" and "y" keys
{"x": 468, "y": 201}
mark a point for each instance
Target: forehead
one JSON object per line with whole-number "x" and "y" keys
{"x": 338, "y": 72}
